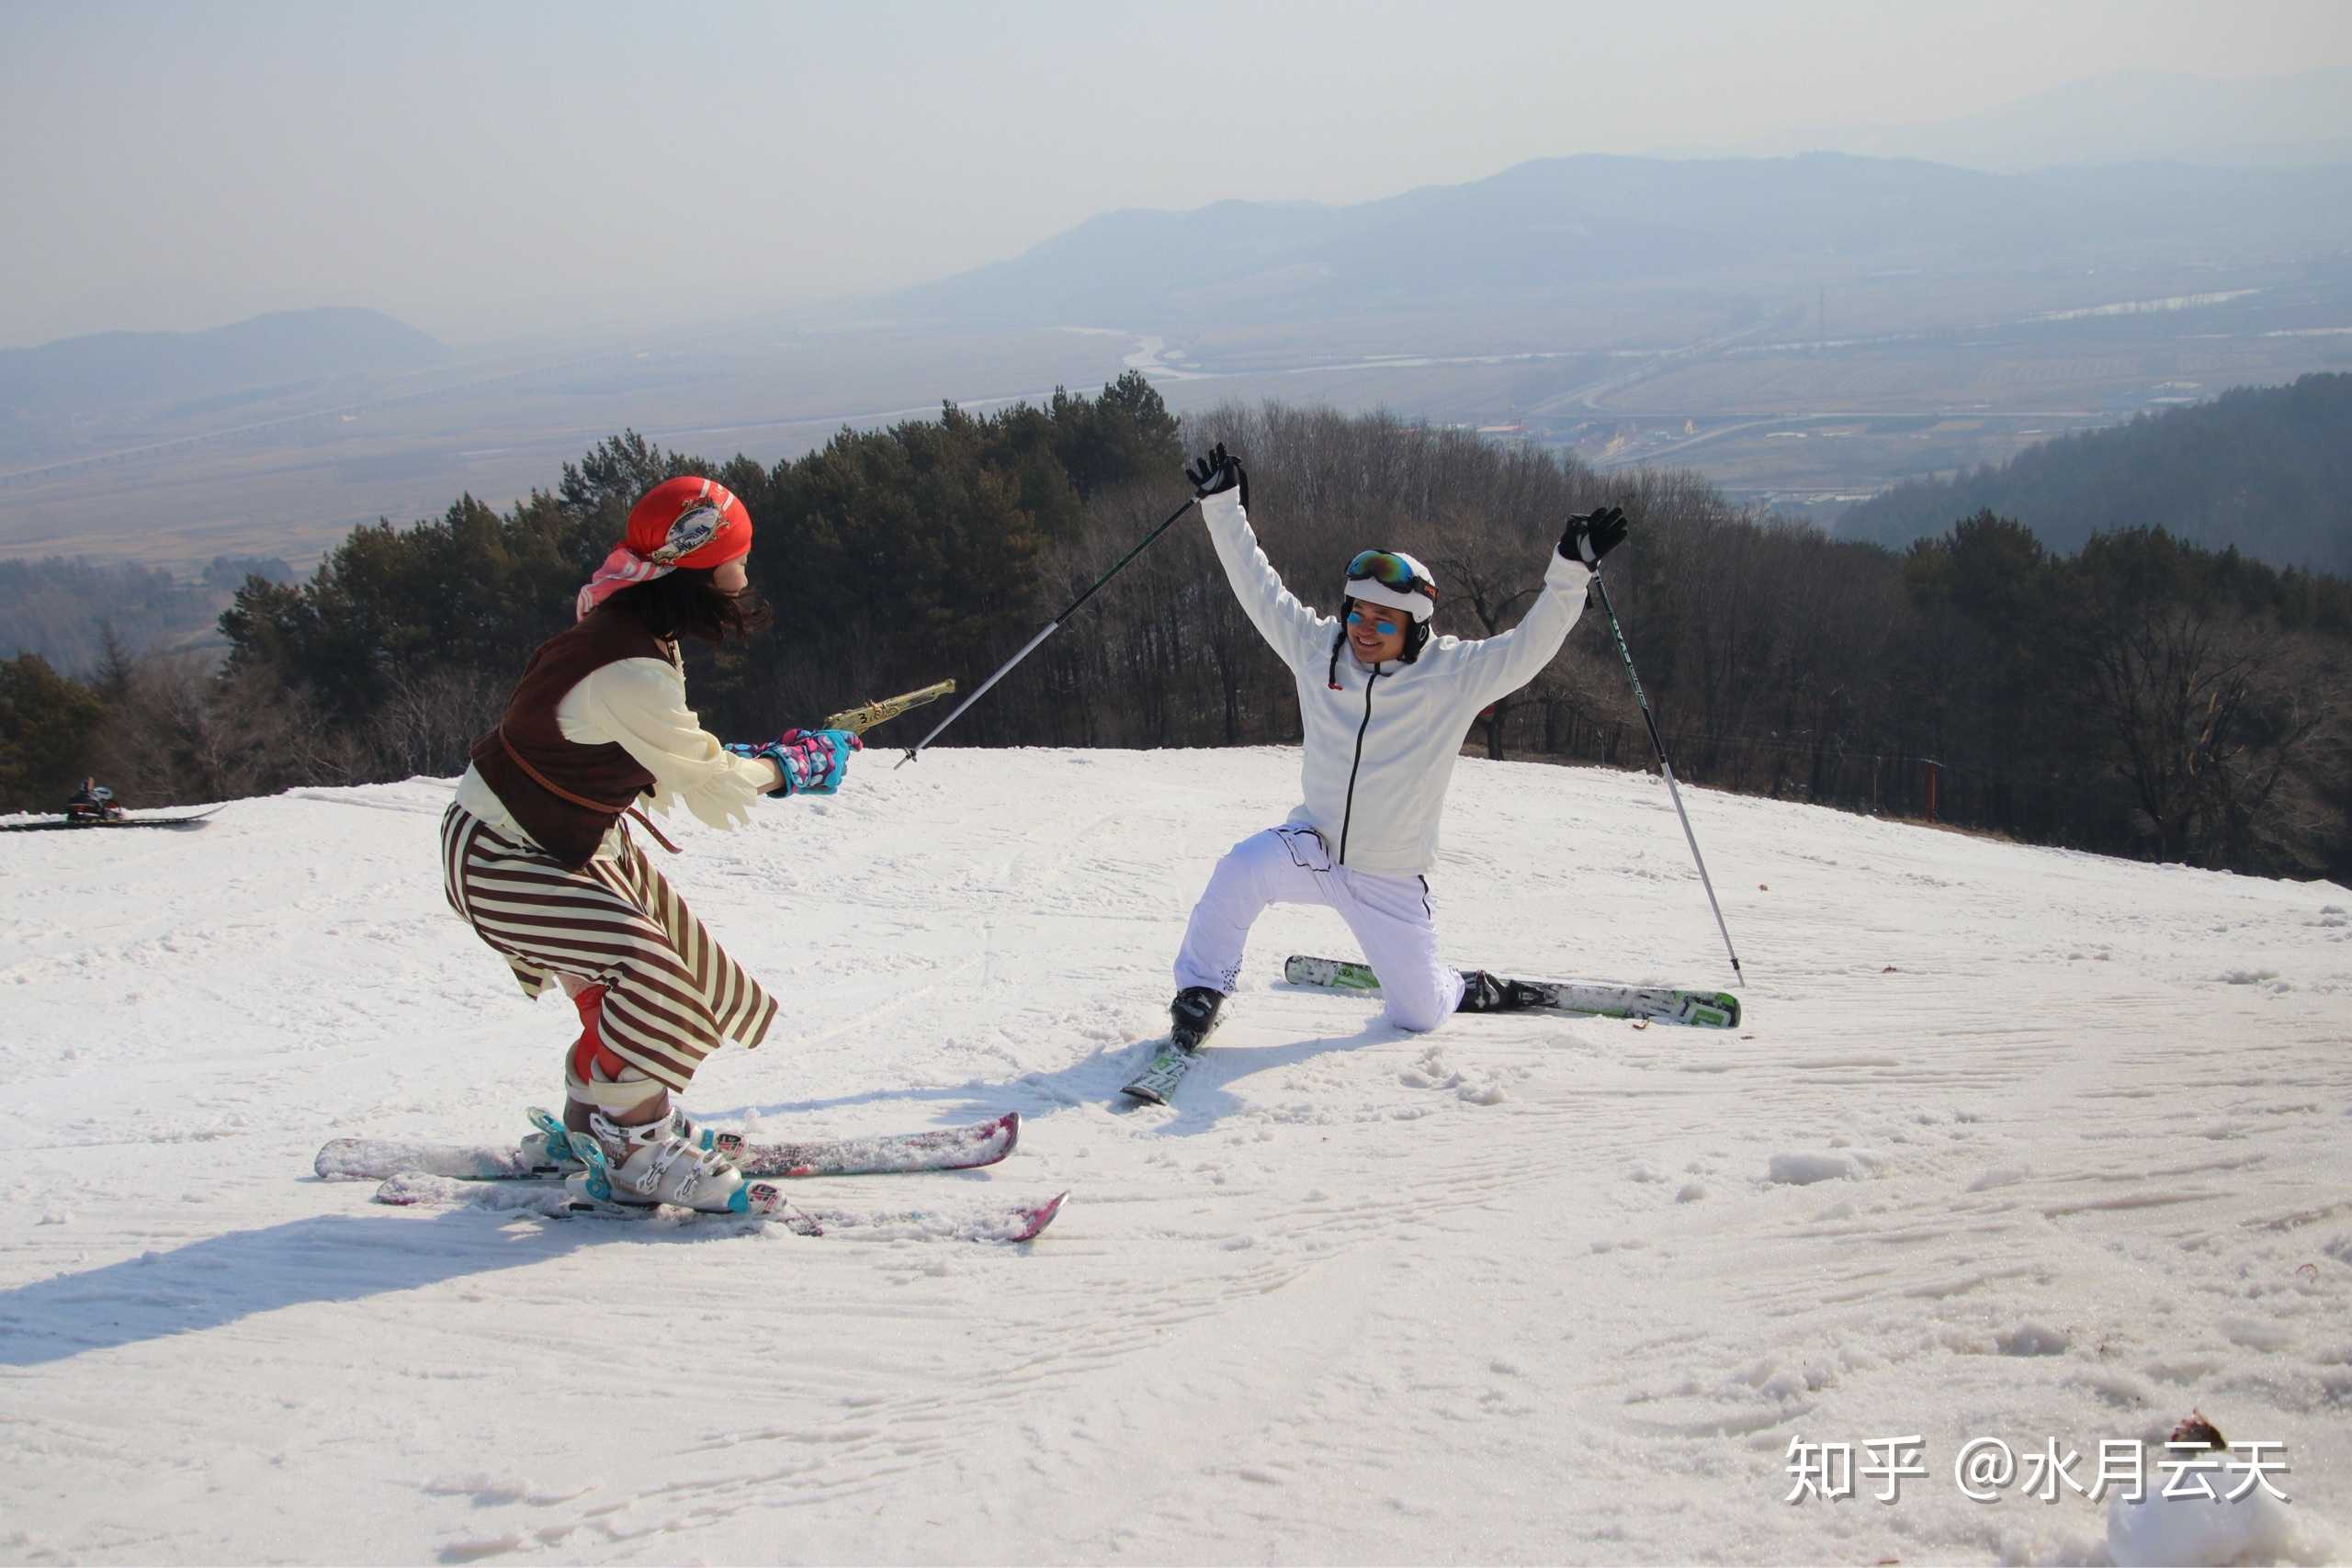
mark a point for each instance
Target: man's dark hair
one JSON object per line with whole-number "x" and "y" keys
{"x": 688, "y": 603}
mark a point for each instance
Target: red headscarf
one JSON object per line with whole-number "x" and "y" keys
{"x": 686, "y": 522}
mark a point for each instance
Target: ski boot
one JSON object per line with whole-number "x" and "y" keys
{"x": 555, "y": 1146}
{"x": 1193, "y": 1017}
{"x": 1483, "y": 992}
{"x": 550, "y": 1148}
{"x": 654, "y": 1164}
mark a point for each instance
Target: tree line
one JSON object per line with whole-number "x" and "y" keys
{"x": 2141, "y": 696}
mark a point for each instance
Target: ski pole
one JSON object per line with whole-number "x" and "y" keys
{"x": 1648, "y": 718}
{"x": 1050, "y": 629}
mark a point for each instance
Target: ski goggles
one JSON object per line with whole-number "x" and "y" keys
{"x": 1390, "y": 572}
{"x": 1381, "y": 624}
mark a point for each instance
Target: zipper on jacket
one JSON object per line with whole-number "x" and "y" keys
{"x": 1348, "y": 815}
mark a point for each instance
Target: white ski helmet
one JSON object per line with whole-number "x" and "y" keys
{"x": 1394, "y": 579}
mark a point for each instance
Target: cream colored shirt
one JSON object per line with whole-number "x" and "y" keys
{"x": 639, "y": 704}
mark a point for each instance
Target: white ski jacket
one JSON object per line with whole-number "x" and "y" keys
{"x": 1381, "y": 743}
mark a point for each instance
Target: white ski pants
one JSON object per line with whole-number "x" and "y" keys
{"x": 1390, "y": 916}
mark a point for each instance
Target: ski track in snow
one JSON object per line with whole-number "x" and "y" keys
{"x": 2015, "y": 1143}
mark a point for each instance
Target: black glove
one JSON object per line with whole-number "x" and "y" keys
{"x": 1592, "y": 535}
{"x": 1219, "y": 470}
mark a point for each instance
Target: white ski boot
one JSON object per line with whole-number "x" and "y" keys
{"x": 550, "y": 1149}
{"x": 656, "y": 1163}
{"x": 556, "y": 1147}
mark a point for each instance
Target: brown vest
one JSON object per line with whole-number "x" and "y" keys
{"x": 566, "y": 794}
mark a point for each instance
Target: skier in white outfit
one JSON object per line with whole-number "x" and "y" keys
{"x": 1385, "y": 708}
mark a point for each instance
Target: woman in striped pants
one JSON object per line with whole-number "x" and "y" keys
{"x": 538, "y": 857}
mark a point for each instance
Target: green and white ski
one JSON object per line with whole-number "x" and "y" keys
{"x": 1157, "y": 1083}
{"x": 1703, "y": 1009}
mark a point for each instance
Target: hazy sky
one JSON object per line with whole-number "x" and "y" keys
{"x": 479, "y": 169}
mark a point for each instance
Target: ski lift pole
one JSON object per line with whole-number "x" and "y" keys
{"x": 1667, "y": 767}
{"x": 1049, "y": 630}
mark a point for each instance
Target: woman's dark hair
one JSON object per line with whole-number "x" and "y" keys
{"x": 687, "y": 602}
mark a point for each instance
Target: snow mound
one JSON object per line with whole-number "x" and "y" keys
{"x": 1805, "y": 1168}
{"x": 2216, "y": 1531}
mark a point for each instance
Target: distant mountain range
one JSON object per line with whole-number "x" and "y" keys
{"x": 289, "y": 348}
{"x": 1559, "y": 226}
{"x": 2267, "y": 470}
{"x": 2124, "y": 117}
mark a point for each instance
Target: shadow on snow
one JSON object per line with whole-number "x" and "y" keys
{"x": 327, "y": 1257}
{"x": 1093, "y": 1079}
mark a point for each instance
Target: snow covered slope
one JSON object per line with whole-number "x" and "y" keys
{"x": 2016, "y": 1144}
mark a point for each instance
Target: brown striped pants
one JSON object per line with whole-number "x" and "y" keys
{"x": 671, "y": 994}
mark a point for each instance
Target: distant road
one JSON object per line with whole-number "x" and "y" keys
{"x": 1762, "y": 423}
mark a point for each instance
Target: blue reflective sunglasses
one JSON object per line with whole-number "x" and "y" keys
{"x": 1384, "y": 626}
